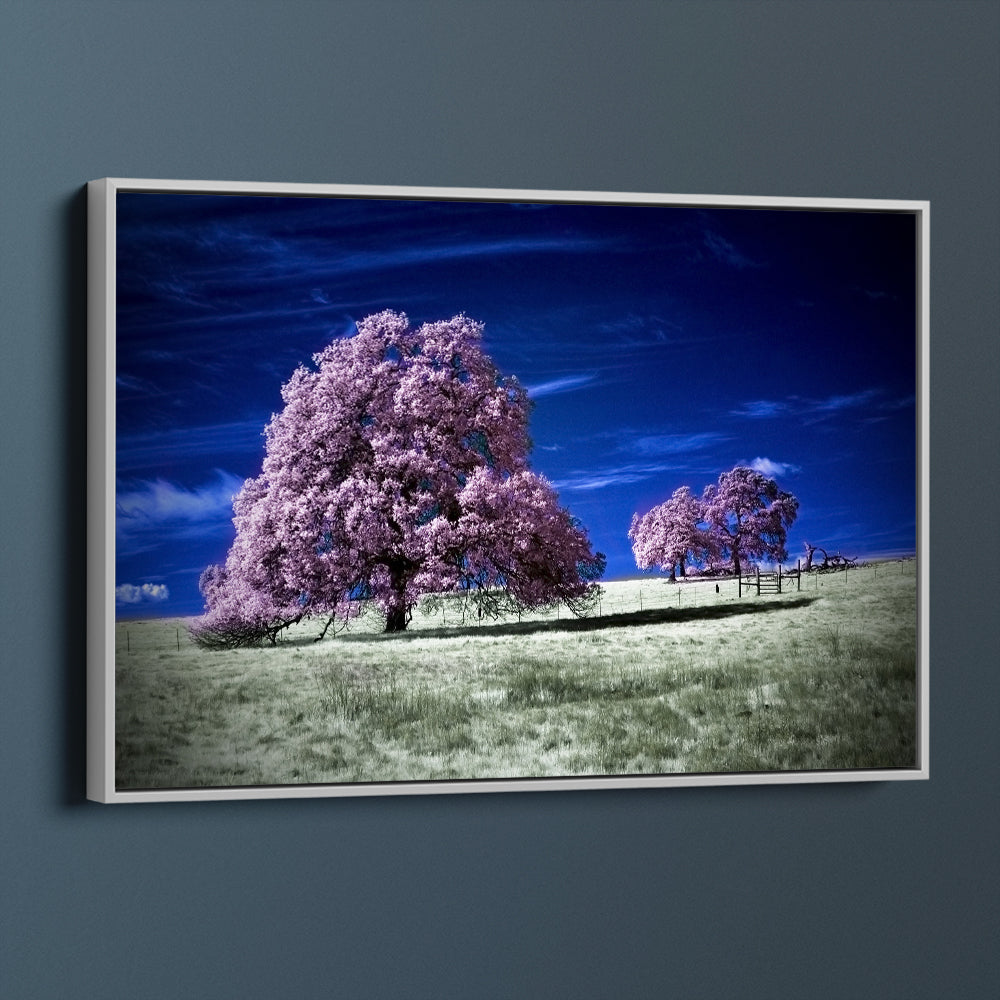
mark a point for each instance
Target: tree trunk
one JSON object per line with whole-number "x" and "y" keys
{"x": 396, "y": 619}
{"x": 683, "y": 573}
{"x": 397, "y": 614}
{"x": 736, "y": 536}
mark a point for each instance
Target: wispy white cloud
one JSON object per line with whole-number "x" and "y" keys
{"x": 159, "y": 502}
{"x": 157, "y": 448}
{"x": 242, "y": 316}
{"x": 850, "y": 401}
{"x": 599, "y": 479}
{"x": 455, "y": 250}
{"x": 671, "y": 444}
{"x": 640, "y": 457}
{"x": 762, "y": 408}
{"x": 817, "y": 409}
{"x": 725, "y": 252}
{"x": 150, "y": 512}
{"x": 158, "y": 354}
{"x": 128, "y": 383}
{"x": 606, "y": 346}
{"x": 327, "y": 262}
{"x": 902, "y": 403}
{"x": 633, "y": 330}
{"x": 887, "y": 408}
{"x": 567, "y": 383}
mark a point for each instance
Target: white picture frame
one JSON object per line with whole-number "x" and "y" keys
{"x": 107, "y": 382}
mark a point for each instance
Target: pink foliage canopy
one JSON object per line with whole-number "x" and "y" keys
{"x": 670, "y": 533}
{"x": 398, "y": 467}
{"x": 743, "y": 516}
{"x": 749, "y": 515}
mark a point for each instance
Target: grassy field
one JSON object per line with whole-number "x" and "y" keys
{"x": 666, "y": 678}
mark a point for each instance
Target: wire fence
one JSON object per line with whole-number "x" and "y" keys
{"x": 658, "y": 593}
{"x": 155, "y": 635}
{"x": 618, "y": 598}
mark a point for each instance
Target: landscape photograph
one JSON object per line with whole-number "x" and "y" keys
{"x": 430, "y": 492}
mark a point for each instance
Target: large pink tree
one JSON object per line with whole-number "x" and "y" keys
{"x": 749, "y": 516}
{"x": 670, "y": 534}
{"x": 398, "y": 467}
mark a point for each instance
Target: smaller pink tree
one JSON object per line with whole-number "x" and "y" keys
{"x": 671, "y": 534}
{"x": 749, "y": 516}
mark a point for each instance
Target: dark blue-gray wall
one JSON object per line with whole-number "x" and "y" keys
{"x": 884, "y": 890}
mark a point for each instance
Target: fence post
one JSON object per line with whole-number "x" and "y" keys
{"x": 758, "y": 581}
{"x": 798, "y": 578}
{"x": 779, "y": 578}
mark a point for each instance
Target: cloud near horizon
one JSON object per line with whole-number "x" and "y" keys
{"x": 130, "y": 593}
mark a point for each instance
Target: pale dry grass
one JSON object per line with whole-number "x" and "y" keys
{"x": 694, "y": 682}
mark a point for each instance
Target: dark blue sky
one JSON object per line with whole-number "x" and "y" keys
{"x": 661, "y": 347}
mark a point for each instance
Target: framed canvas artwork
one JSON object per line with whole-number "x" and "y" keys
{"x": 419, "y": 490}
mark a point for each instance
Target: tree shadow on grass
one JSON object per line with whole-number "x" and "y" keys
{"x": 625, "y": 619}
